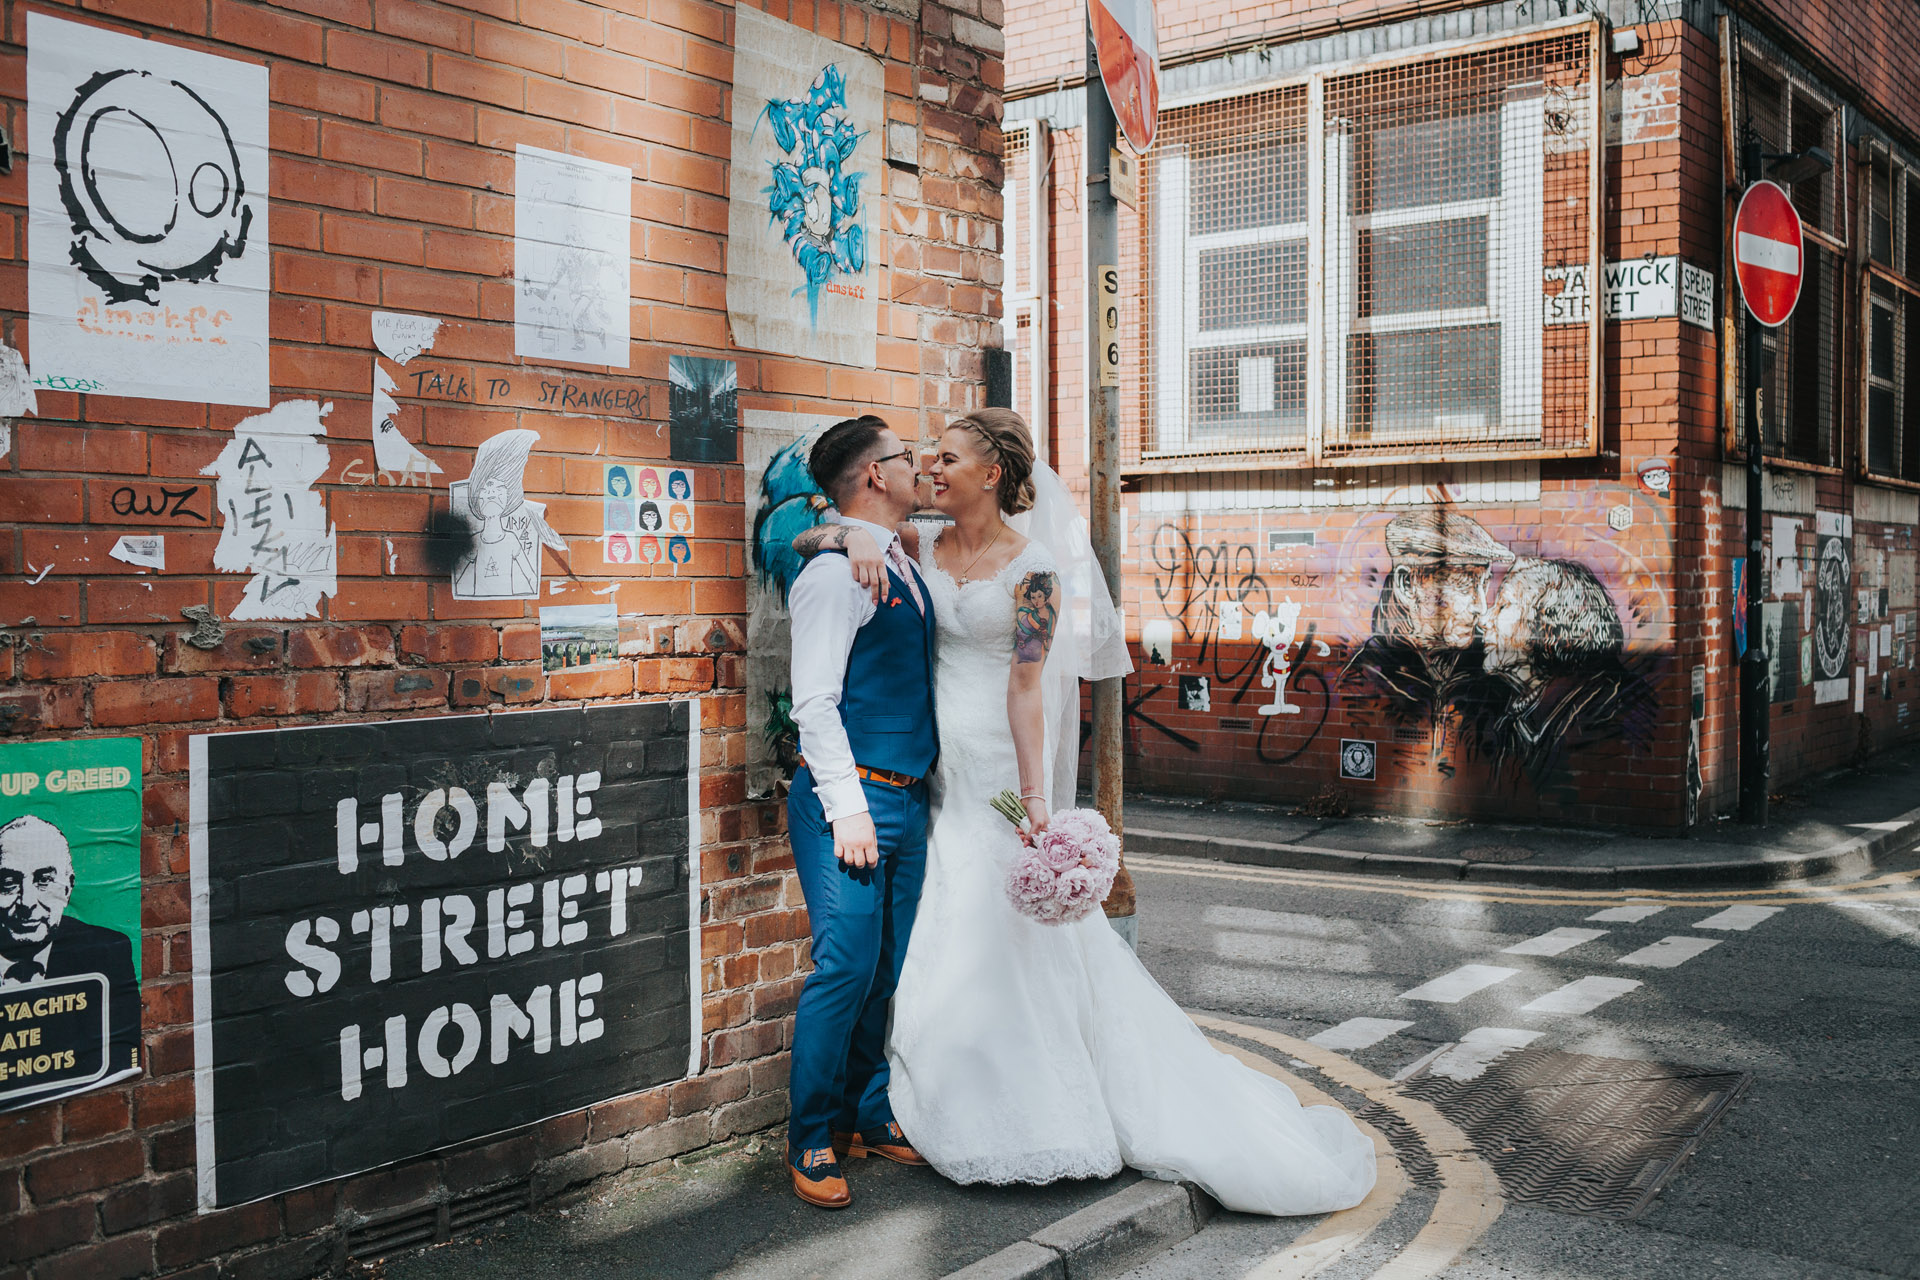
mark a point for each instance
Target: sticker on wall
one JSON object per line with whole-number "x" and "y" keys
{"x": 1195, "y": 695}
{"x": 506, "y": 531}
{"x": 273, "y": 524}
{"x": 472, "y": 924}
{"x": 782, "y": 502}
{"x": 1231, "y": 615}
{"x": 392, "y": 451}
{"x": 1156, "y": 641}
{"x": 402, "y": 337}
{"x": 1656, "y": 477}
{"x": 1276, "y": 631}
{"x": 147, "y": 217}
{"x": 572, "y": 257}
{"x": 1620, "y": 517}
{"x": 1783, "y": 557}
{"x": 16, "y": 386}
{"x": 807, "y": 120}
{"x": 1357, "y": 757}
{"x": 579, "y": 635}
{"x": 69, "y": 917}
{"x": 1697, "y": 707}
{"x": 1739, "y": 601}
{"x": 703, "y": 409}
{"x": 1832, "y": 590}
{"x": 146, "y": 550}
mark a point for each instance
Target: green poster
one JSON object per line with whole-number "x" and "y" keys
{"x": 69, "y": 917}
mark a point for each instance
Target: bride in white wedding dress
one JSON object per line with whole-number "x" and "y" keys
{"x": 1027, "y": 1052}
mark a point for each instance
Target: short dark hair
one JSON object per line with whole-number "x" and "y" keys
{"x": 841, "y": 452}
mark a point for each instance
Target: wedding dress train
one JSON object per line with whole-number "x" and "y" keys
{"x": 1027, "y": 1052}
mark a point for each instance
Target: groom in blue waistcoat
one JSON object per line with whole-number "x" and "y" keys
{"x": 857, "y": 814}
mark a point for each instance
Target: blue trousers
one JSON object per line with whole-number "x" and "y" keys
{"x": 861, "y": 920}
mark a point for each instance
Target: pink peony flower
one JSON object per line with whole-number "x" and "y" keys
{"x": 1069, "y": 871}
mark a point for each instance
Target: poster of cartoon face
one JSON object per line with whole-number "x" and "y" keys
{"x": 679, "y": 485}
{"x": 649, "y": 518}
{"x": 502, "y": 558}
{"x": 649, "y": 481}
{"x": 619, "y": 500}
{"x": 678, "y": 551}
{"x": 679, "y": 518}
{"x": 650, "y": 550}
{"x": 619, "y": 548}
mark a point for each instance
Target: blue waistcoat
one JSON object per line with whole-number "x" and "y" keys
{"x": 886, "y": 700}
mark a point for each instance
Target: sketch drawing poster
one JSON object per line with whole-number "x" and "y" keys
{"x": 147, "y": 217}
{"x": 782, "y": 501}
{"x": 501, "y": 558}
{"x": 572, "y": 255}
{"x": 807, "y": 116}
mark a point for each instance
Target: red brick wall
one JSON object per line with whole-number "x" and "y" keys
{"x": 393, "y": 131}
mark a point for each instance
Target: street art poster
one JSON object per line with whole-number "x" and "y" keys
{"x": 393, "y": 453}
{"x": 1832, "y": 606}
{"x": 782, "y": 502}
{"x": 703, "y": 409}
{"x": 1522, "y": 654}
{"x": 273, "y": 524}
{"x": 500, "y": 556}
{"x": 413, "y": 933}
{"x": 645, "y": 505}
{"x": 146, "y": 217}
{"x": 807, "y": 119}
{"x": 578, "y": 635}
{"x": 69, "y": 917}
{"x": 572, "y": 258}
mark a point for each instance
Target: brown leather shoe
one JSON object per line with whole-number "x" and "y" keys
{"x": 889, "y": 1143}
{"x": 817, "y": 1178}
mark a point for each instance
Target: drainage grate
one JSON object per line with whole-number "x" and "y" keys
{"x": 1596, "y": 1137}
{"x": 429, "y": 1224}
{"x": 1405, "y": 1140}
{"x": 1497, "y": 853}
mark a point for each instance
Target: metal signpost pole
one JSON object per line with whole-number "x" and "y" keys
{"x": 1755, "y": 696}
{"x": 1103, "y": 431}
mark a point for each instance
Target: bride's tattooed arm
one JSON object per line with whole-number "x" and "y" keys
{"x": 1036, "y": 609}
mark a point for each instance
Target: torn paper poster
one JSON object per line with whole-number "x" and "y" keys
{"x": 16, "y": 386}
{"x": 502, "y": 558}
{"x": 572, "y": 257}
{"x": 807, "y": 118}
{"x": 401, "y": 338}
{"x": 148, "y": 550}
{"x": 273, "y": 523}
{"x": 392, "y": 451}
{"x": 147, "y": 217}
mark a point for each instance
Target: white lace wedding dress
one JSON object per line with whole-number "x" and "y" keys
{"x": 1025, "y": 1052}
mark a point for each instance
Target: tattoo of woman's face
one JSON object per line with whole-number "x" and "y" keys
{"x": 1033, "y": 621}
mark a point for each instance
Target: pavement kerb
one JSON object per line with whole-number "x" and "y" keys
{"x": 1105, "y": 1238}
{"x": 1853, "y": 857}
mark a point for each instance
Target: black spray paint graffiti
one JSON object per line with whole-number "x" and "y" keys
{"x": 1192, "y": 583}
{"x": 1533, "y": 666}
{"x": 126, "y": 140}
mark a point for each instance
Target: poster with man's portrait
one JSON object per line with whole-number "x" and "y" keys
{"x": 69, "y": 917}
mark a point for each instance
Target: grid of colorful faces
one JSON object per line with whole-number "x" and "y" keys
{"x": 649, "y": 514}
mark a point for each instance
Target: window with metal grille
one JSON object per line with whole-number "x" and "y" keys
{"x": 1026, "y": 200}
{"x": 1354, "y": 268}
{"x": 1801, "y": 372}
{"x": 1891, "y": 367}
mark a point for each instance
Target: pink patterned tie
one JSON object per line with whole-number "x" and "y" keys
{"x": 897, "y": 561}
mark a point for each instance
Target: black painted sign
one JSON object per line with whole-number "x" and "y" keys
{"x": 415, "y": 933}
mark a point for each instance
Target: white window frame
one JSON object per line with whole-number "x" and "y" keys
{"x": 1026, "y": 226}
{"x": 1515, "y": 293}
{"x": 1902, "y": 276}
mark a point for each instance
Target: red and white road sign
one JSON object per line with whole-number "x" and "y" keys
{"x": 1767, "y": 253}
{"x": 1123, "y": 33}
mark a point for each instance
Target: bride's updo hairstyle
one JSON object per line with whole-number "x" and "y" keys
{"x": 1004, "y": 439}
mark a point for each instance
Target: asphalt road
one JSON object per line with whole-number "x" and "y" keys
{"x": 1816, "y": 992}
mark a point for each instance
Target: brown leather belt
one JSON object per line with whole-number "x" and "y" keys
{"x": 885, "y": 777}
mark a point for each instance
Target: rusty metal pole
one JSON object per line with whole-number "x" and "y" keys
{"x": 1103, "y": 434}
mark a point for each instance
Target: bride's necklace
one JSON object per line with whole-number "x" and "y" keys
{"x": 962, "y": 579}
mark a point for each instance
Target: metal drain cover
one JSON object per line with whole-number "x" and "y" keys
{"x": 1595, "y": 1137}
{"x": 1497, "y": 853}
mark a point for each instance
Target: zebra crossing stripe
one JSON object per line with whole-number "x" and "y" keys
{"x": 1741, "y": 918}
{"x": 1358, "y": 1033}
{"x": 1670, "y": 952}
{"x": 1582, "y": 996}
{"x": 1477, "y": 1050}
{"x": 1452, "y": 988}
{"x": 1632, "y": 913}
{"x": 1553, "y": 943}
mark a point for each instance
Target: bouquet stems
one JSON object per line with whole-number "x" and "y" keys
{"x": 1009, "y": 807}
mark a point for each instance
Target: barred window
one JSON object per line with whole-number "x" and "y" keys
{"x": 1026, "y": 199}
{"x": 1355, "y": 268}
{"x": 1892, "y": 317}
{"x": 1802, "y": 359}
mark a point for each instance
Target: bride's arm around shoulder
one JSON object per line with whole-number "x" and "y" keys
{"x": 1036, "y": 610}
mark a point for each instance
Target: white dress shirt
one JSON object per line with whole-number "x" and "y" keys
{"x": 827, "y": 607}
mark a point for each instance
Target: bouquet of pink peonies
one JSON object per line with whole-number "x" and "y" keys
{"x": 1067, "y": 871}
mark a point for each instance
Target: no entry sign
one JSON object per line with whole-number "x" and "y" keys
{"x": 1123, "y": 33}
{"x": 1767, "y": 257}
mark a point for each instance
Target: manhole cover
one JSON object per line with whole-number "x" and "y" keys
{"x": 1596, "y": 1137}
{"x": 1497, "y": 853}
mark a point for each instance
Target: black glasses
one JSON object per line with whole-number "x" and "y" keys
{"x": 904, "y": 453}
